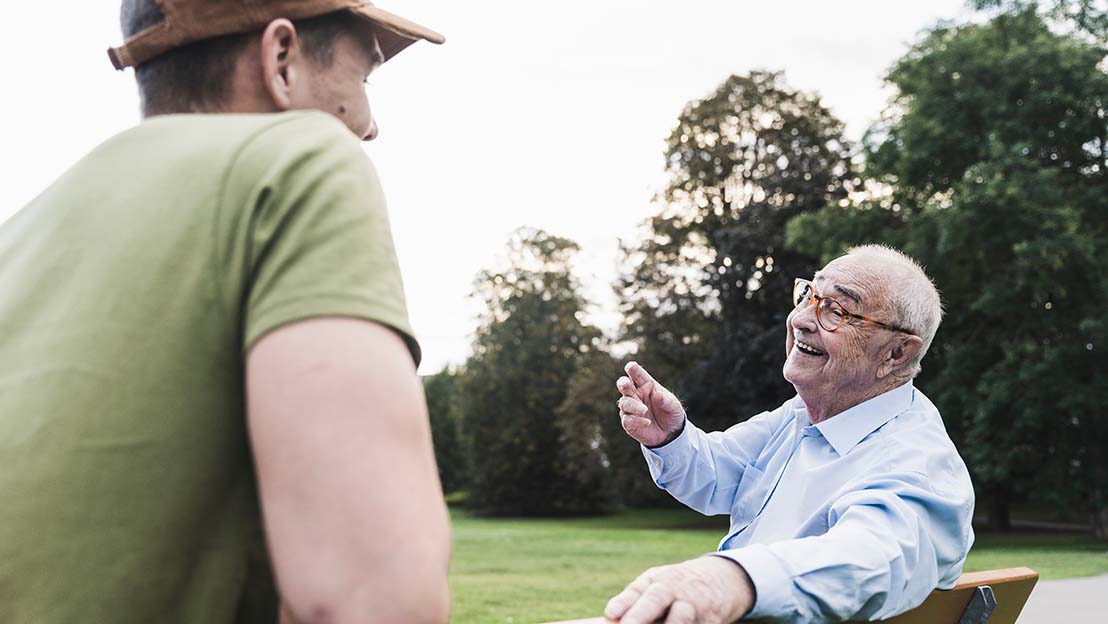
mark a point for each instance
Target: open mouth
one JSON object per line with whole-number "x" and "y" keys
{"x": 807, "y": 348}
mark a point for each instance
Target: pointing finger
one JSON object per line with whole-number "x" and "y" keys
{"x": 625, "y": 387}
{"x": 638, "y": 374}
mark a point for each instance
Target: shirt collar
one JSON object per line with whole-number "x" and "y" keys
{"x": 846, "y": 429}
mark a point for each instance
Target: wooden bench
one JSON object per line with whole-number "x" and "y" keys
{"x": 993, "y": 597}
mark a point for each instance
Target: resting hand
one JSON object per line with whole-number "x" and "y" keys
{"x": 708, "y": 590}
{"x": 649, "y": 413}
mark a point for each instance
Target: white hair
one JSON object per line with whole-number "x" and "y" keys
{"x": 913, "y": 299}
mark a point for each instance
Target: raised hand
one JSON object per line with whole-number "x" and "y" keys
{"x": 649, "y": 413}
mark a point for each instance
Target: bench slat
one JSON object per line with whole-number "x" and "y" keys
{"x": 1011, "y": 586}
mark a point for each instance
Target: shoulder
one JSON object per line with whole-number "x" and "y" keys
{"x": 238, "y": 147}
{"x": 771, "y": 421}
{"x": 920, "y": 426}
{"x": 231, "y": 131}
{"x": 304, "y": 129}
{"x": 917, "y": 441}
{"x": 302, "y": 153}
{"x": 291, "y": 137}
{"x": 786, "y": 412}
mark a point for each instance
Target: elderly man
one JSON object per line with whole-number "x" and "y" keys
{"x": 847, "y": 502}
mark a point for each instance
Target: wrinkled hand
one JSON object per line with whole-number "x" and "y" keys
{"x": 649, "y": 413}
{"x": 708, "y": 590}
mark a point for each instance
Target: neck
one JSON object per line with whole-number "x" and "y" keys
{"x": 820, "y": 410}
{"x": 235, "y": 105}
{"x": 245, "y": 93}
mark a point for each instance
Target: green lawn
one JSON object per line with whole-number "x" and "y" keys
{"x": 524, "y": 570}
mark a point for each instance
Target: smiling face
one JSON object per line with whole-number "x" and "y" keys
{"x": 832, "y": 371}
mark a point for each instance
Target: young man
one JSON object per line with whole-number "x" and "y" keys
{"x": 209, "y": 408}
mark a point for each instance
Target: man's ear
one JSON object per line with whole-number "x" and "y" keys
{"x": 902, "y": 349}
{"x": 280, "y": 49}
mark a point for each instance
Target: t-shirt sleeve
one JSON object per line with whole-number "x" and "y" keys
{"x": 311, "y": 234}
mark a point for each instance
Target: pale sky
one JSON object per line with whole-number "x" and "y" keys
{"x": 543, "y": 114}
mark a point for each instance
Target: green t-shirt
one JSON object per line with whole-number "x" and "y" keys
{"x": 130, "y": 292}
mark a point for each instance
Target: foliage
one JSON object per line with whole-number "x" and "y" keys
{"x": 705, "y": 296}
{"x": 964, "y": 90}
{"x": 1081, "y": 17}
{"x": 525, "y": 354}
{"x": 444, "y": 406}
{"x": 583, "y": 421}
{"x": 628, "y": 479}
{"x": 994, "y": 156}
{"x": 988, "y": 166}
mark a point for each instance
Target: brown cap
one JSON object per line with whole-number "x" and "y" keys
{"x": 187, "y": 21}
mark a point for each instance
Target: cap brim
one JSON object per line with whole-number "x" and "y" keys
{"x": 394, "y": 32}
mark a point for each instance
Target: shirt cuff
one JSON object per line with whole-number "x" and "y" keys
{"x": 668, "y": 460}
{"x": 773, "y": 597}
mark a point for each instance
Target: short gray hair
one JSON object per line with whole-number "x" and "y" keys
{"x": 913, "y": 299}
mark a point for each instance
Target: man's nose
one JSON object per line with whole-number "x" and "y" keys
{"x": 371, "y": 133}
{"x": 805, "y": 318}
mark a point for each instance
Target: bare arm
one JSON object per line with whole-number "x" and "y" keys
{"x": 357, "y": 527}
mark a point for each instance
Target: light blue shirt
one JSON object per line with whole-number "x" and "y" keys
{"x": 858, "y": 517}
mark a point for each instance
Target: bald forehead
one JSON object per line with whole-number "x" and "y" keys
{"x": 862, "y": 280}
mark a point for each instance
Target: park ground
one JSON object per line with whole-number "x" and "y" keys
{"x": 520, "y": 571}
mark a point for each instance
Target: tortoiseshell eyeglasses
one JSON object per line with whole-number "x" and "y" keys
{"x": 830, "y": 314}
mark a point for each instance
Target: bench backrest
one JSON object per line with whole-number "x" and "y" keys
{"x": 1011, "y": 586}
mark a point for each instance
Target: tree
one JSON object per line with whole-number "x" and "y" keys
{"x": 963, "y": 90}
{"x": 1081, "y": 17}
{"x": 443, "y": 392}
{"x": 526, "y": 351}
{"x": 705, "y": 298}
{"x": 1016, "y": 261}
{"x": 589, "y": 429}
{"x": 994, "y": 154}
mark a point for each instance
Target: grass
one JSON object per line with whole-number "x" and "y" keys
{"x": 535, "y": 570}
{"x": 1053, "y": 556}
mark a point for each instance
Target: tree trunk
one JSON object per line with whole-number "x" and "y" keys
{"x": 1097, "y": 466}
{"x": 999, "y": 515}
{"x": 1098, "y": 523}
{"x": 1098, "y": 491}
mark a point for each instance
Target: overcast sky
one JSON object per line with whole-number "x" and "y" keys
{"x": 547, "y": 114}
